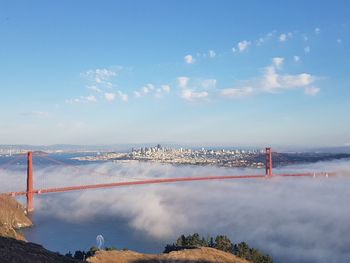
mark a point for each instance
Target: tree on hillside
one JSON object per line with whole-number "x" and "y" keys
{"x": 211, "y": 242}
{"x": 181, "y": 241}
{"x": 242, "y": 250}
{"x": 223, "y": 243}
{"x": 80, "y": 255}
{"x": 194, "y": 240}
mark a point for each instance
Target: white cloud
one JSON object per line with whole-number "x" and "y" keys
{"x": 196, "y": 89}
{"x": 100, "y": 75}
{"x": 110, "y": 96}
{"x": 151, "y": 89}
{"x": 100, "y": 82}
{"x": 339, "y": 41}
{"x": 263, "y": 39}
{"x": 208, "y": 83}
{"x": 183, "y": 82}
{"x": 123, "y": 96}
{"x": 234, "y": 50}
{"x": 278, "y": 61}
{"x": 212, "y": 54}
{"x": 162, "y": 90}
{"x": 285, "y": 36}
{"x": 189, "y": 59}
{"x": 108, "y": 85}
{"x": 148, "y": 88}
{"x": 90, "y": 98}
{"x": 237, "y": 92}
{"x": 166, "y": 88}
{"x": 296, "y": 81}
{"x": 312, "y": 91}
{"x": 94, "y": 88}
{"x": 191, "y": 95}
{"x": 82, "y": 99}
{"x": 270, "y": 79}
{"x": 192, "y": 90}
{"x": 296, "y": 58}
{"x": 137, "y": 94}
{"x": 273, "y": 81}
{"x": 317, "y": 30}
{"x": 145, "y": 90}
{"x": 243, "y": 45}
{"x": 307, "y": 49}
{"x": 260, "y": 41}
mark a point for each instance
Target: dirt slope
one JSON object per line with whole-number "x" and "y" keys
{"x": 198, "y": 255}
{"x": 12, "y": 217}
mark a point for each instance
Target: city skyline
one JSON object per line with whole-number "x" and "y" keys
{"x": 187, "y": 72}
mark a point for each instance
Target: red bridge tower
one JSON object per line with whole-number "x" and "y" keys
{"x": 30, "y": 193}
{"x": 268, "y": 163}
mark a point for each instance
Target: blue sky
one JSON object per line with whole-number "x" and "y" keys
{"x": 190, "y": 72}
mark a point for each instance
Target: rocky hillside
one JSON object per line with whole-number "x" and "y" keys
{"x": 12, "y": 218}
{"x": 198, "y": 255}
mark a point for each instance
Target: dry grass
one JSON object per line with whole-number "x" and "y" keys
{"x": 199, "y": 255}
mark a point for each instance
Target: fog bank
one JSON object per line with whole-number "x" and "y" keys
{"x": 293, "y": 219}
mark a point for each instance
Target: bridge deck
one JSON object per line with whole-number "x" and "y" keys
{"x": 163, "y": 180}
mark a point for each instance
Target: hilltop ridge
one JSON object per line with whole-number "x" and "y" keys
{"x": 198, "y": 255}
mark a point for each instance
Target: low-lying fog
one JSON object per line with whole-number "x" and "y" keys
{"x": 292, "y": 219}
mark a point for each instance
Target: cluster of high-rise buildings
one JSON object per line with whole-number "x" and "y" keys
{"x": 222, "y": 157}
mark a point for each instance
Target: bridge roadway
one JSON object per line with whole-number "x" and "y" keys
{"x": 164, "y": 180}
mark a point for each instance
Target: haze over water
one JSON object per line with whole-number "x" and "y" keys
{"x": 293, "y": 219}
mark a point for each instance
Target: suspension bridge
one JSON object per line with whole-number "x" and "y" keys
{"x": 31, "y": 191}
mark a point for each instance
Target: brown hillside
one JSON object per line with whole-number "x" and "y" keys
{"x": 198, "y": 255}
{"x": 12, "y": 217}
